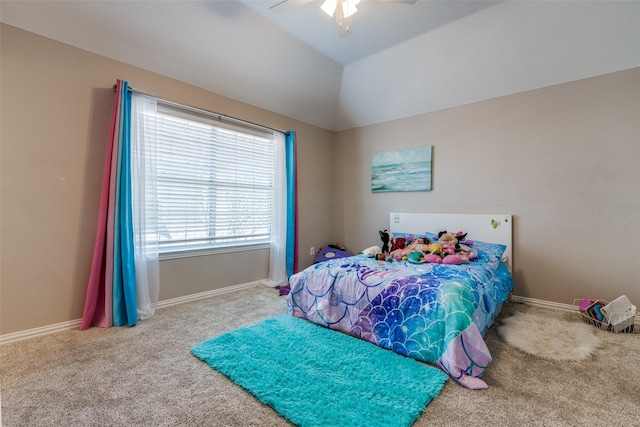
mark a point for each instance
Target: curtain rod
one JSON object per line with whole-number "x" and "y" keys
{"x": 203, "y": 111}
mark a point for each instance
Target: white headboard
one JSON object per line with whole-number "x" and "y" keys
{"x": 490, "y": 228}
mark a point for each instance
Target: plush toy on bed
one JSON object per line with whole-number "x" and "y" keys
{"x": 400, "y": 254}
{"x": 454, "y": 252}
{"x": 446, "y": 238}
{"x": 416, "y": 257}
{"x": 432, "y": 259}
{"x": 386, "y": 237}
{"x": 419, "y": 244}
{"x": 398, "y": 243}
{"x": 372, "y": 252}
{"x": 434, "y": 248}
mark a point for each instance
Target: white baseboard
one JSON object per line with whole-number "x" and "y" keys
{"x": 207, "y": 294}
{"x": 542, "y": 303}
{"x": 41, "y": 331}
{"x": 75, "y": 324}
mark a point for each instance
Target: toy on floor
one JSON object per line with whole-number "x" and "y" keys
{"x": 331, "y": 252}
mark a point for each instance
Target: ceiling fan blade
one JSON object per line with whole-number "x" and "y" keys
{"x": 284, "y": 5}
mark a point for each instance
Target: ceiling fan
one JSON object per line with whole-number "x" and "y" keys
{"x": 343, "y": 10}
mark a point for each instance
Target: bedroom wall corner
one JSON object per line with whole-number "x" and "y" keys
{"x": 561, "y": 160}
{"x": 56, "y": 110}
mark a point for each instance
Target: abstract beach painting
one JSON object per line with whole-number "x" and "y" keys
{"x": 407, "y": 169}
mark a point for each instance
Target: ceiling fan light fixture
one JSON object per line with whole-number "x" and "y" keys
{"x": 343, "y": 10}
{"x": 329, "y": 7}
{"x": 349, "y": 7}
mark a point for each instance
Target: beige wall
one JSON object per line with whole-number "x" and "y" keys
{"x": 56, "y": 105}
{"x": 563, "y": 160}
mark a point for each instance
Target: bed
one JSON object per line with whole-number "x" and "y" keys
{"x": 435, "y": 313}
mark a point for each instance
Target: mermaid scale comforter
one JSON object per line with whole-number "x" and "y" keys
{"x": 431, "y": 312}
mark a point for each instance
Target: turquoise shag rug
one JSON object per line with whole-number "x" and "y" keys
{"x": 314, "y": 376}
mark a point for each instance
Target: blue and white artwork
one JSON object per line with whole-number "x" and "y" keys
{"x": 407, "y": 169}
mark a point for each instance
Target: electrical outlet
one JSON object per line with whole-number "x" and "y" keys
{"x": 396, "y": 219}
{"x": 312, "y": 251}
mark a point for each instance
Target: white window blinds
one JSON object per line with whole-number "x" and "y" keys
{"x": 215, "y": 182}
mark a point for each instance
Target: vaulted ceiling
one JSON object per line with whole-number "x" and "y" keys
{"x": 400, "y": 59}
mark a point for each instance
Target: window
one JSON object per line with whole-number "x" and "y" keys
{"x": 215, "y": 182}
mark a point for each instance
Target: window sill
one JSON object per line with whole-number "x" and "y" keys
{"x": 189, "y": 253}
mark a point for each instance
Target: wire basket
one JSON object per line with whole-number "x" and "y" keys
{"x": 625, "y": 322}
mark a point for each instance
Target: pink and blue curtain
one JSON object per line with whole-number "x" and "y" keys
{"x": 124, "y": 281}
{"x": 111, "y": 292}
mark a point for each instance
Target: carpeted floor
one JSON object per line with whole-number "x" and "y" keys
{"x": 146, "y": 376}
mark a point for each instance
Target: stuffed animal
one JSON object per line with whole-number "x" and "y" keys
{"x": 372, "y": 252}
{"x": 419, "y": 244}
{"x": 331, "y": 252}
{"x": 399, "y": 254}
{"x": 466, "y": 256}
{"x": 433, "y": 259}
{"x": 415, "y": 257}
{"x": 435, "y": 248}
{"x": 446, "y": 238}
{"x": 448, "y": 249}
{"x": 453, "y": 251}
{"x": 398, "y": 243}
{"x": 385, "y": 236}
{"x": 452, "y": 260}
